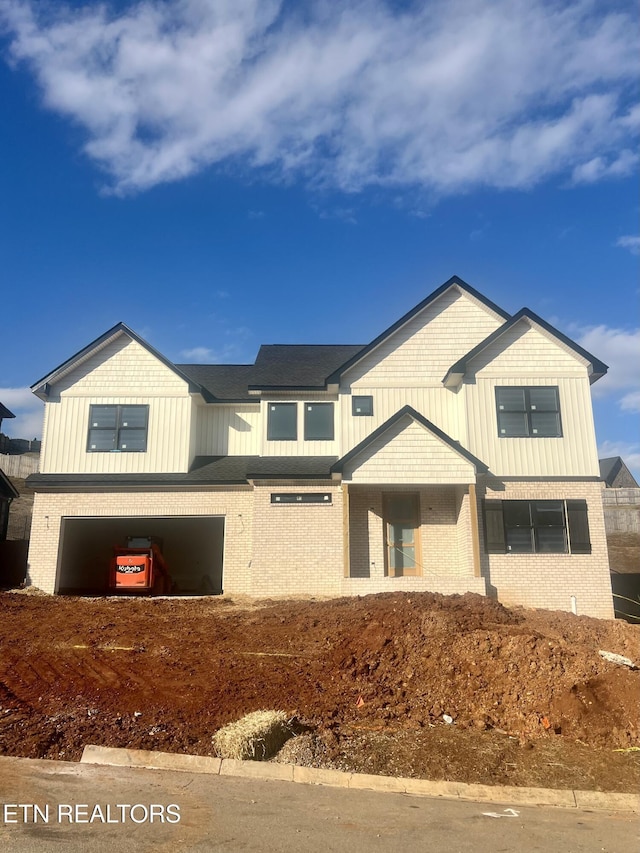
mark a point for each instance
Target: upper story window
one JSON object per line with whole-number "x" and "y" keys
{"x": 362, "y": 406}
{"x": 537, "y": 527}
{"x": 529, "y": 412}
{"x": 282, "y": 422}
{"x": 318, "y": 422}
{"x": 118, "y": 428}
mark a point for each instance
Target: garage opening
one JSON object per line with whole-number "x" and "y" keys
{"x": 192, "y": 548}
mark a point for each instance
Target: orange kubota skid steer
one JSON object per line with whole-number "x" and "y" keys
{"x": 139, "y": 568}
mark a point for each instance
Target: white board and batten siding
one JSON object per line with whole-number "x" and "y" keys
{"x": 408, "y": 453}
{"x": 122, "y": 373}
{"x": 228, "y": 430}
{"x": 441, "y": 406}
{"x": 300, "y": 447}
{"x": 528, "y": 357}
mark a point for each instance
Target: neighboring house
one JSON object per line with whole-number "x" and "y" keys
{"x": 615, "y": 474}
{"x": 5, "y": 413}
{"x": 4, "y": 440}
{"x": 7, "y": 493}
{"x": 456, "y": 452}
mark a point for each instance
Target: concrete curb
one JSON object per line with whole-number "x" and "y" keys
{"x": 588, "y": 800}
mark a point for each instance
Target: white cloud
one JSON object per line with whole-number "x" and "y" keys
{"x": 447, "y": 95}
{"x": 226, "y": 353}
{"x": 600, "y": 167}
{"x": 620, "y": 349}
{"x": 629, "y": 242}
{"x": 28, "y": 411}
{"x": 631, "y": 402}
{"x": 199, "y": 355}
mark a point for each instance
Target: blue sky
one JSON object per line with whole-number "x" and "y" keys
{"x": 219, "y": 175}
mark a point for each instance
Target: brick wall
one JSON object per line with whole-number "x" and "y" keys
{"x": 283, "y": 549}
{"x": 445, "y": 539}
{"x": 297, "y": 548}
{"x": 235, "y": 505}
{"x": 550, "y": 580}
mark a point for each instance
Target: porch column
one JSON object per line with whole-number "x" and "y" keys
{"x": 475, "y": 535}
{"x": 346, "y": 544}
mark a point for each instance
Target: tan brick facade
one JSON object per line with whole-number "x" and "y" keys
{"x": 297, "y": 548}
{"x": 286, "y": 549}
{"x": 234, "y": 505}
{"x": 550, "y": 580}
{"x": 446, "y": 553}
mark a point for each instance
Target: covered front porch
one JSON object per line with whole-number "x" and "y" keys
{"x": 411, "y": 537}
{"x": 410, "y": 515}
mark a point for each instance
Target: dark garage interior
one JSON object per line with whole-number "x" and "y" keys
{"x": 192, "y": 548}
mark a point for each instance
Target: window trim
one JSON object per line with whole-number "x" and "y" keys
{"x": 306, "y": 428}
{"x": 289, "y": 405}
{"x": 368, "y": 397}
{"x": 577, "y": 539}
{"x": 118, "y": 429}
{"x": 529, "y": 410}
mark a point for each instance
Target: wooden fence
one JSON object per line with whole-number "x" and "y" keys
{"x": 19, "y": 466}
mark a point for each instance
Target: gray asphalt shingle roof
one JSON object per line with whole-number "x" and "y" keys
{"x": 222, "y": 381}
{"x": 5, "y": 413}
{"x": 303, "y": 366}
{"x": 206, "y": 470}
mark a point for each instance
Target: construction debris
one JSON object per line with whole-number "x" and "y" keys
{"x": 619, "y": 659}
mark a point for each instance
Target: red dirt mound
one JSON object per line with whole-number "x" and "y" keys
{"x": 166, "y": 673}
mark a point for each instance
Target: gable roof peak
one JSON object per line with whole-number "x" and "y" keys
{"x": 409, "y": 411}
{"x": 41, "y": 388}
{"x": 454, "y": 282}
{"x": 456, "y": 372}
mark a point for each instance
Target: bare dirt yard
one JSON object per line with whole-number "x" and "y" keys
{"x": 370, "y": 681}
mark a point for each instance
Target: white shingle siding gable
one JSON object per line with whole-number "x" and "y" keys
{"x": 421, "y": 352}
{"x": 408, "y": 453}
{"x": 123, "y": 362}
{"x": 524, "y": 344}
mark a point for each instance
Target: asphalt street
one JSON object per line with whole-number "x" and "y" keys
{"x": 87, "y": 808}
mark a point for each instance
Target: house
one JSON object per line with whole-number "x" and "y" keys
{"x": 455, "y": 452}
{"x": 4, "y": 440}
{"x": 615, "y": 474}
{"x": 8, "y": 493}
{"x": 5, "y": 413}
